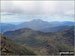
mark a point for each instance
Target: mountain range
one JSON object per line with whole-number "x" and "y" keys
{"x": 57, "y": 28}
{"x": 34, "y": 24}
{"x": 36, "y": 37}
{"x": 6, "y": 27}
{"x": 45, "y": 43}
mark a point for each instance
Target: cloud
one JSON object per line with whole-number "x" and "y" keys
{"x": 38, "y": 7}
{"x": 28, "y": 10}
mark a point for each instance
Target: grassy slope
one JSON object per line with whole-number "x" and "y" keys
{"x": 46, "y": 43}
{"x": 8, "y": 47}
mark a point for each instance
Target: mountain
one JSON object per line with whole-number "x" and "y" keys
{"x": 8, "y": 47}
{"x": 68, "y": 23}
{"x": 6, "y": 27}
{"x": 65, "y": 23}
{"x": 45, "y": 43}
{"x": 36, "y": 24}
{"x": 57, "y": 28}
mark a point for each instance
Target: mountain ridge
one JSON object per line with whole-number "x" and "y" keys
{"x": 57, "y": 28}
{"x": 34, "y": 24}
{"x": 8, "y": 47}
{"x": 46, "y": 43}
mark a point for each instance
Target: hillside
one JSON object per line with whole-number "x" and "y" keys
{"x": 36, "y": 24}
{"x": 46, "y": 43}
{"x": 6, "y": 27}
{"x": 57, "y": 28}
{"x": 9, "y": 47}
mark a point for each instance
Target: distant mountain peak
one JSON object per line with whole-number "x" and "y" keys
{"x": 37, "y": 20}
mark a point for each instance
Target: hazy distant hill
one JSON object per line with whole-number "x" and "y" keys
{"x": 46, "y": 43}
{"x": 40, "y": 24}
{"x": 57, "y": 28}
{"x": 6, "y": 27}
{"x": 63, "y": 23}
{"x": 34, "y": 24}
{"x": 9, "y": 47}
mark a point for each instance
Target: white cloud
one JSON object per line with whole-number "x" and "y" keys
{"x": 53, "y": 10}
{"x": 38, "y": 7}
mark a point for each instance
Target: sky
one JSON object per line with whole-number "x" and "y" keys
{"x": 22, "y": 11}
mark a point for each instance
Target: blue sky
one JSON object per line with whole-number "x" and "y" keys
{"x": 21, "y": 11}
